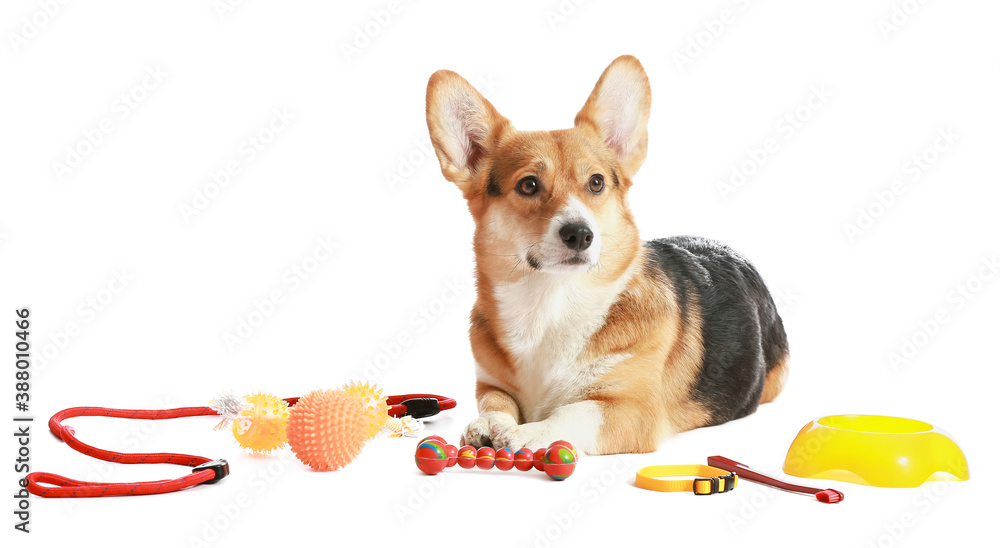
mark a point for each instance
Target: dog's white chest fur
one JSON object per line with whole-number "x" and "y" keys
{"x": 546, "y": 322}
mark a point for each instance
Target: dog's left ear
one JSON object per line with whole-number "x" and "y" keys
{"x": 618, "y": 109}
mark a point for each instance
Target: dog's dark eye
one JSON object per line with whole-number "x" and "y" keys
{"x": 528, "y": 186}
{"x": 596, "y": 183}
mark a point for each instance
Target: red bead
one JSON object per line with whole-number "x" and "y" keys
{"x": 504, "y": 459}
{"x": 452, "y": 453}
{"x": 484, "y": 458}
{"x": 537, "y": 460}
{"x": 524, "y": 459}
{"x": 467, "y": 457}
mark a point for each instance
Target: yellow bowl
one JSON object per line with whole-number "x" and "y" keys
{"x": 875, "y": 450}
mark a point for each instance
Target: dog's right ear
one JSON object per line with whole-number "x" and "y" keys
{"x": 464, "y": 127}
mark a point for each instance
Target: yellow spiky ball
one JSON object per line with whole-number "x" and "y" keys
{"x": 375, "y": 405}
{"x": 261, "y": 427}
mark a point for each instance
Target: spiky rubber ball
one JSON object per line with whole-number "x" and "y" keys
{"x": 375, "y": 405}
{"x": 260, "y": 427}
{"x": 327, "y": 429}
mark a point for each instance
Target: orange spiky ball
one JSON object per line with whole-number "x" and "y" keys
{"x": 327, "y": 428}
{"x": 261, "y": 427}
{"x": 375, "y": 405}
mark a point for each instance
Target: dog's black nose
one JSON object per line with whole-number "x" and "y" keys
{"x": 576, "y": 236}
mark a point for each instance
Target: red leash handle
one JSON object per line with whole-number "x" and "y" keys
{"x": 748, "y": 473}
{"x": 418, "y": 406}
{"x": 828, "y": 496}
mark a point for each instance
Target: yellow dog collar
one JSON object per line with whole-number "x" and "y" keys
{"x": 710, "y": 479}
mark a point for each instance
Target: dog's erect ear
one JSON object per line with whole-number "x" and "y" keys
{"x": 618, "y": 109}
{"x": 464, "y": 127}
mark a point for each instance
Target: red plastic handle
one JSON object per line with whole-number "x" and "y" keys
{"x": 745, "y": 472}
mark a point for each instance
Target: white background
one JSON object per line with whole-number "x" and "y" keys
{"x": 159, "y": 341}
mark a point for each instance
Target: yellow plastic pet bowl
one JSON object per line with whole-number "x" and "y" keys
{"x": 875, "y": 450}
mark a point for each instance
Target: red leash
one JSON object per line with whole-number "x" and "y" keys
{"x": 44, "y": 484}
{"x": 206, "y": 470}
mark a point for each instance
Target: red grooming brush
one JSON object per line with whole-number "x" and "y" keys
{"x": 743, "y": 471}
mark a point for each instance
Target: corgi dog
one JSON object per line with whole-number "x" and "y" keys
{"x": 580, "y": 330}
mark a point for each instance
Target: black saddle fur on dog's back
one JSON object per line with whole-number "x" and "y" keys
{"x": 741, "y": 331}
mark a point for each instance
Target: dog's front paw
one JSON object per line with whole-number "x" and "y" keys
{"x": 487, "y": 428}
{"x": 523, "y": 435}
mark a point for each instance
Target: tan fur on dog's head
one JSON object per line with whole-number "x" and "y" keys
{"x": 523, "y": 187}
